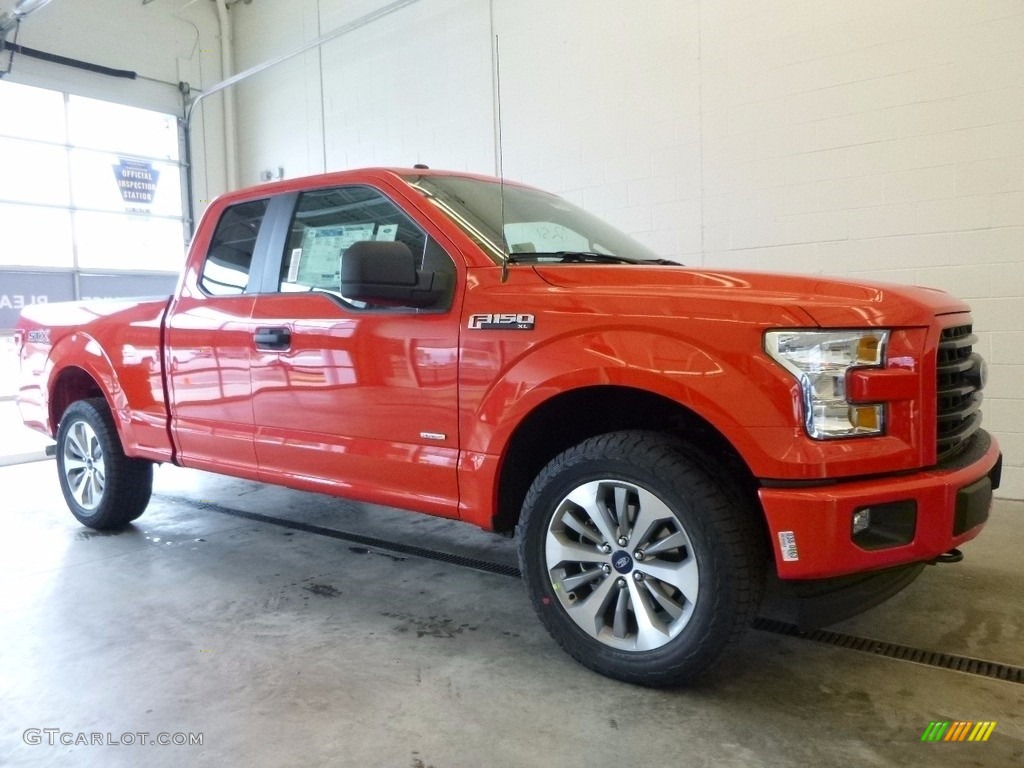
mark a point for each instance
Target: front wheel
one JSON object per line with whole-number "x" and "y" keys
{"x": 103, "y": 488}
{"x": 638, "y": 561}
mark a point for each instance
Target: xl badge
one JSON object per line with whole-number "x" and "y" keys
{"x": 503, "y": 321}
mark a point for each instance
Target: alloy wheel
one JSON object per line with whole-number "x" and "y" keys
{"x": 622, "y": 565}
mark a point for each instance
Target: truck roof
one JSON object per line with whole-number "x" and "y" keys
{"x": 357, "y": 175}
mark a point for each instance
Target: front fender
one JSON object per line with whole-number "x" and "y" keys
{"x": 727, "y": 387}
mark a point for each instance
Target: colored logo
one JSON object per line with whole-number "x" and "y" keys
{"x": 622, "y": 561}
{"x": 958, "y": 730}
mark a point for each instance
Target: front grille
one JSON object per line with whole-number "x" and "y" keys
{"x": 959, "y": 394}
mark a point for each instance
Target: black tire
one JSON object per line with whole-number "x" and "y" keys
{"x": 660, "y": 619}
{"x": 104, "y": 489}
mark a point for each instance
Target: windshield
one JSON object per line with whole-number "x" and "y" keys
{"x": 534, "y": 226}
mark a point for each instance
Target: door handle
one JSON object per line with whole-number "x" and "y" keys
{"x": 272, "y": 338}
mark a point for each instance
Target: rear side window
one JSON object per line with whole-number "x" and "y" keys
{"x": 227, "y": 265}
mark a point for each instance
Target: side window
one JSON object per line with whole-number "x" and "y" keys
{"x": 226, "y": 269}
{"x": 327, "y": 222}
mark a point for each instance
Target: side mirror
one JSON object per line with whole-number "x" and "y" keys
{"x": 385, "y": 271}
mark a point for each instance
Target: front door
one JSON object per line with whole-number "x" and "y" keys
{"x": 349, "y": 397}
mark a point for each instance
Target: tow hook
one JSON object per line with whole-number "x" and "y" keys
{"x": 953, "y": 556}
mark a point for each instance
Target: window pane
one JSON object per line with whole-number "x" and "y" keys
{"x": 543, "y": 237}
{"x": 114, "y": 183}
{"x": 226, "y": 270}
{"x": 32, "y": 113}
{"x": 116, "y": 128}
{"x": 33, "y": 173}
{"x": 327, "y": 222}
{"x": 118, "y": 241}
{"x": 35, "y": 237}
{"x": 512, "y": 219}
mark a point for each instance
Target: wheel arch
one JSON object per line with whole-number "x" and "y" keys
{"x": 70, "y": 384}
{"x": 571, "y": 417}
{"x": 79, "y": 368}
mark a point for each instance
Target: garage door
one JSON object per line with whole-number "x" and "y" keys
{"x": 90, "y": 199}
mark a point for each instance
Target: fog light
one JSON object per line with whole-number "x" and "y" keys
{"x": 861, "y": 520}
{"x": 881, "y": 526}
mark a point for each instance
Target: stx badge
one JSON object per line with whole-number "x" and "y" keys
{"x": 504, "y": 321}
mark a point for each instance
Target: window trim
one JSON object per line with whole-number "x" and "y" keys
{"x": 272, "y": 238}
{"x": 258, "y": 251}
{"x": 274, "y": 255}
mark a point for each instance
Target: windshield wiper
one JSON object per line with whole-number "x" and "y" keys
{"x": 571, "y": 257}
{"x": 582, "y": 257}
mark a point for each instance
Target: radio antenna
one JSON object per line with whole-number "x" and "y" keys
{"x": 501, "y": 167}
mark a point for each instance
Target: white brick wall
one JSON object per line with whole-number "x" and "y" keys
{"x": 880, "y": 139}
{"x": 414, "y": 87}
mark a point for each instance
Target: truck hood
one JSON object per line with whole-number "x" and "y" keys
{"x": 830, "y": 302}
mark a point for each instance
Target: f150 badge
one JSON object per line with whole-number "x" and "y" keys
{"x": 501, "y": 321}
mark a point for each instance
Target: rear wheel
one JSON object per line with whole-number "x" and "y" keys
{"x": 103, "y": 488}
{"x": 637, "y": 560}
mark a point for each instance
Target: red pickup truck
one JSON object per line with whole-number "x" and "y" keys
{"x": 665, "y": 440}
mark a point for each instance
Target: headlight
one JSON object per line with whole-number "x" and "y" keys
{"x": 820, "y": 361}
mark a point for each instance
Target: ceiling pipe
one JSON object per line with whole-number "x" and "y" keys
{"x": 227, "y": 71}
{"x": 13, "y": 17}
{"x": 362, "y": 21}
{"x": 194, "y": 100}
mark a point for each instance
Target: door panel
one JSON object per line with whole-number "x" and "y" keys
{"x": 350, "y": 397}
{"x": 363, "y": 405}
{"x": 208, "y": 343}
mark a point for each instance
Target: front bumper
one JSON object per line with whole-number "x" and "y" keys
{"x": 811, "y": 526}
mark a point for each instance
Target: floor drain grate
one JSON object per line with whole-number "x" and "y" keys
{"x": 950, "y": 661}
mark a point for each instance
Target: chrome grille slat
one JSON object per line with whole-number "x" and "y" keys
{"x": 973, "y": 405}
{"x": 954, "y": 367}
{"x": 958, "y": 399}
{"x": 959, "y": 342}
{"x": 962, "y": 431}
{"x": 957, "y": 391}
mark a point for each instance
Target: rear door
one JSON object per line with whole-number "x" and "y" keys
{"x": 347, "y": 396}
{"x": 208, "y": 345}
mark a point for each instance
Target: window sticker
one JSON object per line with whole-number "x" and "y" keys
{"x": 543, "y": 237}
{"x": 321, "y": 252}
{"x": 387, "y": 232}
{"x": 293, "y": 265}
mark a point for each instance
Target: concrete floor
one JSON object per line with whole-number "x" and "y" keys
{"x": 285, "y": 648}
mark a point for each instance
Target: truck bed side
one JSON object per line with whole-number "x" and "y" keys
{"x": 109, "y": 349}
